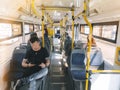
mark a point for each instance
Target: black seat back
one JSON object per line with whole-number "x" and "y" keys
{"x": 16, "y": 70}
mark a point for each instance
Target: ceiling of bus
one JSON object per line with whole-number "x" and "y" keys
{"x": 9, "y": 8}
{"x": 67, "y": 3}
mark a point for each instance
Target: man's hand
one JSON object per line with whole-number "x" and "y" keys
{"x": 31, "y": 65}
{"x": 42, "y": 65}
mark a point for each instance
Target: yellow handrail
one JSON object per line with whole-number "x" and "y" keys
{"x": 49, "y": 19}
{"x": 43, "y": 43}
{"x": 73, "y": 28}
{"x": 89, "y": 45}
{"x": 33, "y": 8}
{"x": 37, "y": 14}
{"x": 105, "y": 71}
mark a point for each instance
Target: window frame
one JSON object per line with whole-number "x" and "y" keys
{"x": 11, "y": 22}
{"x": 104, "y": 23}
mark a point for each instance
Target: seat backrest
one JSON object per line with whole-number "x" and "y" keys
{"x": 23, "y": 45}
{"x": 77, "y": 59}
{"x": 96, "y": 57}
{"x": 17, "y": 57}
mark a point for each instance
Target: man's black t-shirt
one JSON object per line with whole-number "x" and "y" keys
{"x": 36, "y": 57}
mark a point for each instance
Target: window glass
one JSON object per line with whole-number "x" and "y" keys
{"x": 16, "y": 29}
{"x": 85, "y": 29}
{"x": 36, "y": 28}
{"x": 97, "y": 30}
{"x": 5, "y": 30}
{"x": 26, "y": 28}
{"x": 40, "y": 27}
{"x": 109, "y": 31}
{"x": 106, "y": 31}
{"x": 31, "y": 27}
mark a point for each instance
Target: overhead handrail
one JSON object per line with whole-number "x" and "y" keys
{"x": 81, "y": 13}
{"x": 34, "y": 9}
{"x": 56, "y": 8}
{"x": 48, "y": 18}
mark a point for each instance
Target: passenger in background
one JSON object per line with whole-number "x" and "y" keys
{"x": 57, "y": 35}
{"x": 35, "y": 60}
{"x": 46, "y": 39}
{"x": 67, "y": 44}
{"x": 93, "y": 42}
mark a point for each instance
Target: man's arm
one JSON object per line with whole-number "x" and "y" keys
{"x": 43, "y": 65}
{"x": 47, "y": 62}
{"x": 25, "y": 64}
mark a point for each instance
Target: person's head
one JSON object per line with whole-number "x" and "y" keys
{"x": 35, "y": 43}
{"x": 92, "y": 40}
{"x": 58, "y": 31}
{"x": 66, "y": 34}
{"x": 33, "y": 34}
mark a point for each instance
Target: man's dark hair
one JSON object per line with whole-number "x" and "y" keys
{"x": 33, "y": 34}
{"x": 34, "y": 39}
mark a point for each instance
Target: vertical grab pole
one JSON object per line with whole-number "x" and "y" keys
{"x": 89, "y": 45}
{"x": 72, "y": 27}
{"x": 43, "y": 43}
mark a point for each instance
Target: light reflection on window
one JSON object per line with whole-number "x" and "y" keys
{"x": 85, "y": 29}
{"x": 27, "y": 29}
{"x": 16, "y": 29}
{"x": 31, "y": 28}
{"x": 97, "y": 31}
{"x": 36, "y": 28}
{"x": 106, "y": 32}
{"x": 109, "y": 31}
{"x": 5, "y": 30}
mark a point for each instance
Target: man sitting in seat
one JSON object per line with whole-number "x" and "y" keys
{"x": 35, "y": 60}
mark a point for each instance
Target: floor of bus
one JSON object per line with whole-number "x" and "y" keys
{"x": 58, "y": 78}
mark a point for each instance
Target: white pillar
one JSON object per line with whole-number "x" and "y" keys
{"x": 23, "y": 33}
{"x": 118, "y": 36}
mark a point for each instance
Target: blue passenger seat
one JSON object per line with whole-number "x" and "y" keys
{"x": 77, "y": 64}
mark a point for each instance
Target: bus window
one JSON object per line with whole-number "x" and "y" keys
{"x": 5, "y": 30}
{"x": 97, "y": 31}
{"x": 16, "y": 29}
{"x": 85, "y": 29}
{"x": 109, "y": 31}
{"x": 27, "y": 29}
